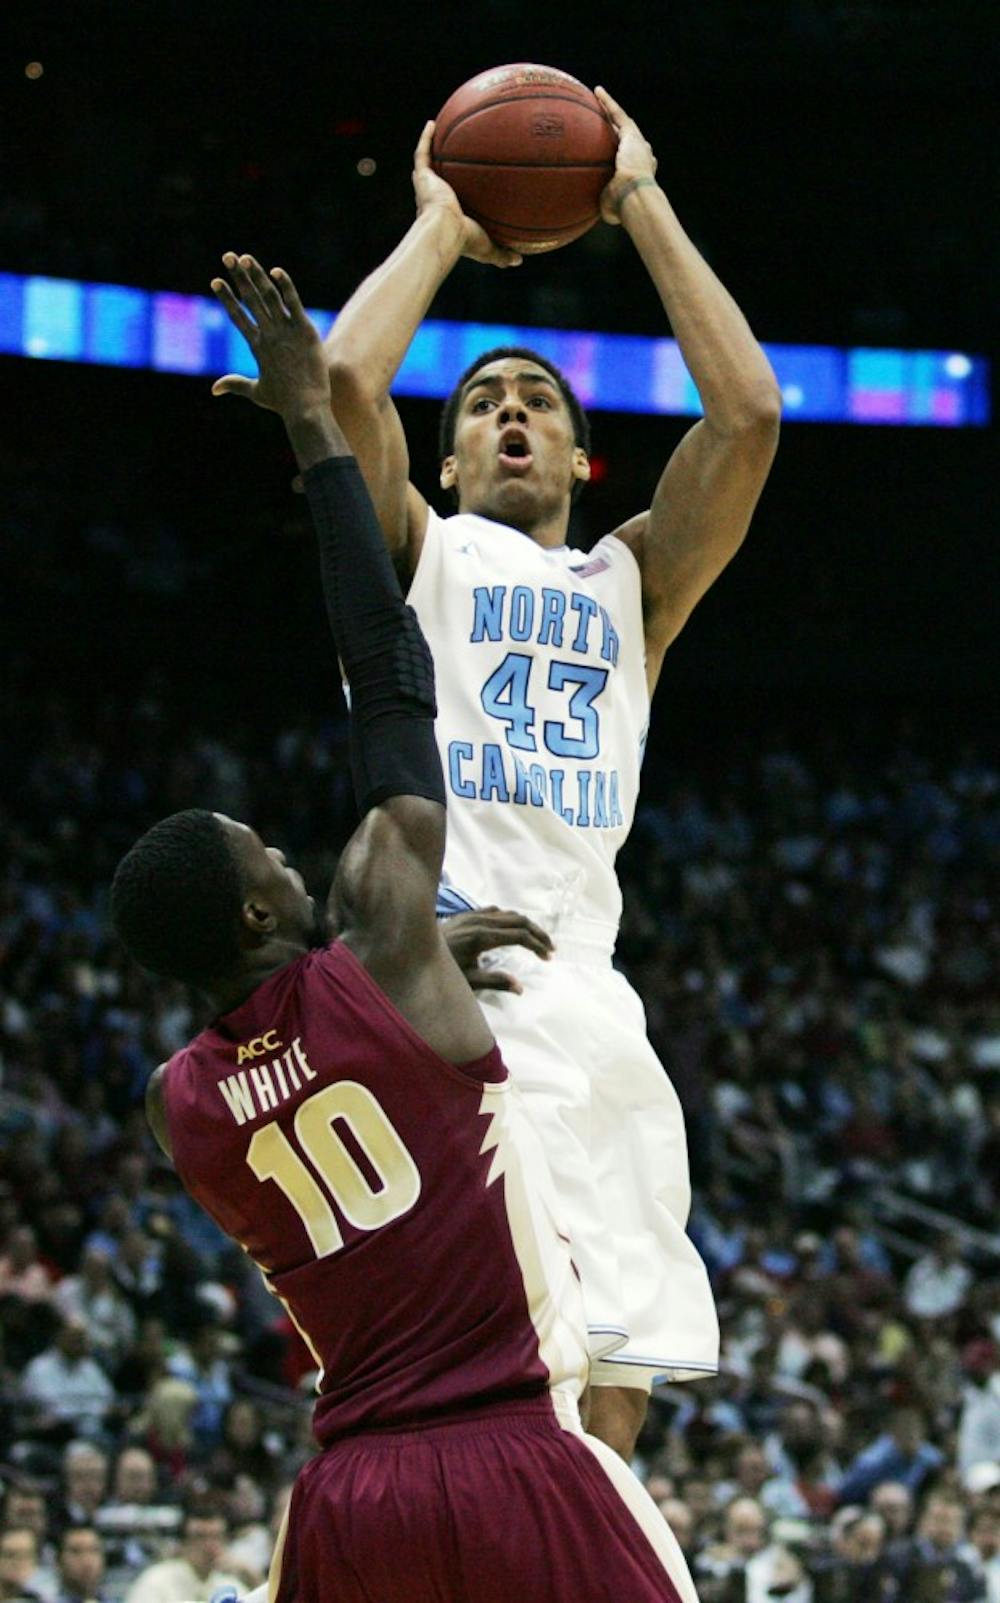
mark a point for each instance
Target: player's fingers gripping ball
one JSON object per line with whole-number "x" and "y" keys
{"x": 635, "y": 163}
{"x": 528, "y": 150}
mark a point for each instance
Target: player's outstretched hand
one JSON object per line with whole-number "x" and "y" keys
{"x": 432, "y": 190}
{"x": 471, "y": 934}
{"x": 268, "y": 313}
{"x": 634, "y": 159}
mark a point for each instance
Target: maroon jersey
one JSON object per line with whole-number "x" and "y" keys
{"x": 398, "y": 1206}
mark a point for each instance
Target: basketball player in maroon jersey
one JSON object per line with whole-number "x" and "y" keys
{"x": 347, "y": 1118}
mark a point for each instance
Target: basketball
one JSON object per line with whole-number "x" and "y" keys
{"x": 527, "y": 150}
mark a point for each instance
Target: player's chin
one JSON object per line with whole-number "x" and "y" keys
{"x": 519, "y": 501}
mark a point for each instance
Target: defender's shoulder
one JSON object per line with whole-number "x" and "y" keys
{"x": 156, "y": 1112}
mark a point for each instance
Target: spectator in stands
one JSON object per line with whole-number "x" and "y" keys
{"x": 807, "y": 1339}
{"x": 745, "y": 1532}
{"x": 134, "y": 1482}
{"x": 893, "y": 1502}
{"x": 197, "y": 1570}
{"x": 132, "y": 1183}
{"x": 68, "y": 1389}
{"x": 808, "y": 1494}
{"x": 26, "y": 1505}
{"x": 248, "y": 1552}
{"x": 201, "y": 1364}
{"x": 938, "y": 1283}
{"x": 678, "y": 1516}
{"x": 138, "y": 1271}
{"x": 800, "y": 1457}
{"x": 164, "y": 1425}
{"x": 22, "y": 1273}
{"x": 853, "y": 1570}
{"x": 84, "y": 1483}
{"x": 19, "y": 1564}
{"x": 81, "y": 1565}
{"x": 982, "y": 1484}
{"x": 750, "y": 1470}
{"x": 138, "y": 1520}
{"x": 903, "y": 1453}
{"x": 111, "y": 1226}
{"x": 934, "y": 1557}
{"x": 93, "y": 1298}
{"x": 979, "y": 1419}
{"x": 146, "y": 1361}
{"x": 982, "y": 1551}
{"x": 698, "y": 1493}
{"x": 242, "y": 1449}
{"x": 777, "y": 1572}
{"x": 746, "y": 1527}
{"x": 760, "y": 1401}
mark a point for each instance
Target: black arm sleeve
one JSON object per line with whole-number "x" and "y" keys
{"x": 379, "y": 641}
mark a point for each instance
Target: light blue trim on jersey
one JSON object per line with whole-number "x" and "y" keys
{"x": 609, "y": 1330}
{"x": 451, "y": 901}
{"x": 660, "y": 1364}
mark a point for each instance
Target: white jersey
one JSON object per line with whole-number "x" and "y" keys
{"x": 543, "y": 709}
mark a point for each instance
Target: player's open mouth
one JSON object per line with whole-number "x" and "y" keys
{"x": 515, "y": 454}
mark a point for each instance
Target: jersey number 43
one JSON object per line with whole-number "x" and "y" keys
{"x": 507, "y": 695}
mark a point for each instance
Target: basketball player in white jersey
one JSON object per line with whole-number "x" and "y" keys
{"x": 546, "y": 660}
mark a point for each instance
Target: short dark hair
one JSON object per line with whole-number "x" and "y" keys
{"x": 500, "y": 353}
{"x": 176, "y": 899}
{"x": 210, "y": 1508}
{"x": 78, "y": 1527}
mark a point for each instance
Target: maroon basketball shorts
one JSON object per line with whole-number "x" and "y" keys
{"x": 504, "y": 1506}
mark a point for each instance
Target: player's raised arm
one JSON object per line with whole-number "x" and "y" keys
{"x": 372, "y": 334}
{"x": 389, "y": 871}
{"x": 706, "y": 496}
{"x": 384, "y": 898}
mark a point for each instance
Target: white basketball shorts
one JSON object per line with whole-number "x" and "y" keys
{"x": 611, "y": 1123}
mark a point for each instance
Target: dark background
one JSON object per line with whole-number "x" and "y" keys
{"x": 834, "y": 159}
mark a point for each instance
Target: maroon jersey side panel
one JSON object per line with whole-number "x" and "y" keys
{"x": 354, "y": 1166}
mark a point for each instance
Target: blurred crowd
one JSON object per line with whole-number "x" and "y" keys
{"x": 811, "y": 931}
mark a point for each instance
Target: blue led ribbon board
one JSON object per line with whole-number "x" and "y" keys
{"x": 63, "y": 320}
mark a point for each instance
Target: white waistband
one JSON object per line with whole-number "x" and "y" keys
{"x": 566, "y": 1410}
{"x": 586, "y": 938}
{"x": 574, "y": 950}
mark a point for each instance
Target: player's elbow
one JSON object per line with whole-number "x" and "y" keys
{"x": 760, "y": 415}
{"x": 752, "y": 429}
{"x": 349, "y": 386}
{"x": 749, "y": 419}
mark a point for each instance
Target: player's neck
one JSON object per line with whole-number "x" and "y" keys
{"x": 259, "y": 966}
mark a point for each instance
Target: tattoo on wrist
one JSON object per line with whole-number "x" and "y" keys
{"x": 632, "y": 185}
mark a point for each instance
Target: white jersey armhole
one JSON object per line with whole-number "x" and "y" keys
{"x": 628, "y": 565}
{"x": 430, "y": 555}
{"x": 623, "y": 545}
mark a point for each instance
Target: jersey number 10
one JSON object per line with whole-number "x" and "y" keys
{"x": 272, "y": 1156}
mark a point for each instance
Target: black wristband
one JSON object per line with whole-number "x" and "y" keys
{"x": 379, "y": 641}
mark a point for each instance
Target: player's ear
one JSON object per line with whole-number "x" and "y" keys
{"x": 449, "y": 473}
{"x": 258, "y": 920}
{"x": 581, "y": 464}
